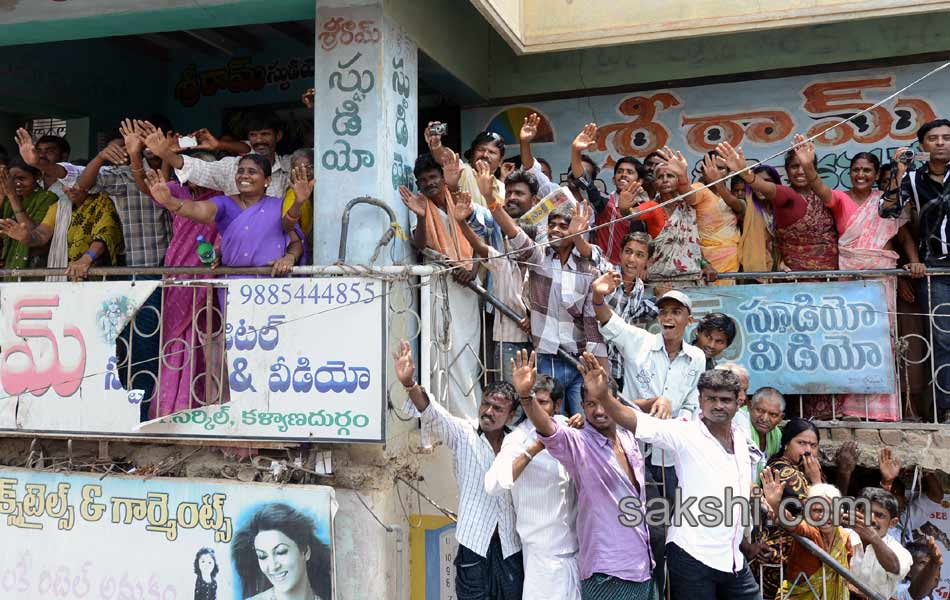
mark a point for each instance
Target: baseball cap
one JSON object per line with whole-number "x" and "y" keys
{"x": 677, "y": 296}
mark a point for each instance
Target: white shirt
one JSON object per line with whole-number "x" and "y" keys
{"x": 902, "y": 592}
{"x": 868, "y": 570}
{"x": 544, "y": 496}
{"x": 648, "y": 371}
{"x": 704, "y": 469}
{"x": 479, "y": 514}
{"x": 219, "y": 175}
{"x": 509, "y": 288}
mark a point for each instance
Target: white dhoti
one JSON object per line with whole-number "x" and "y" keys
{"x": 548, "y": 577}
{"x": 455, "y": 365}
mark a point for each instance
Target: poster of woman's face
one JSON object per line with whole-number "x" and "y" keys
{"x": 278, "y": 554}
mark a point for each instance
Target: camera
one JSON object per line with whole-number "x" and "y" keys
{"x": 438, "y": 129}
{"x": 908, "y": 156}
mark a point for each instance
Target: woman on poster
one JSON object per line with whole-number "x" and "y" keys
{"x": 278, "y": 556}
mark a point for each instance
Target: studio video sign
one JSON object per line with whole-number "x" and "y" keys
{"x": 77, "y": 536}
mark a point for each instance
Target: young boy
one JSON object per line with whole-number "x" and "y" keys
{"x": 714, "y": 334}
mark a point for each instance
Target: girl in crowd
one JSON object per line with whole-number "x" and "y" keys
{"x": 24, "y": 201}
{"x": 829, "y": 537}
{"x": 206, "y": 571}
{"x": 804, "y": 223}
{"x": 795, "y": 469}
{"x": 866, "y": 242}
{"x": 93, "y": 235}
{"x": 717, "y": 217}
{"x": 301, "y": 161}
{"x": 278, "y": 557}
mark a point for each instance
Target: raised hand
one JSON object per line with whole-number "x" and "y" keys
{"x": 530, "y": 128}
{"x": 523, "y": 372}
{"x": 607, "y": 283}
{"x": 712, "y": 168}
{"x": 734, "y": 157}
{"x": 309, "y": 98}
{"x": 933, "y": 551}
{"x": 433, "y": 140}
{"x": 27, "y": 149}
{"x": 889, "y": 465}
{"x": 15, "y": 230}
{"x": 452, "y": 171}
{"x": 463, "y": 207}
{"x": 595, "y": 377}
{"x": 804, "y": 151}
{"x": 160, "y": 144}
{"x": 145, "y": 128}
{"x": 580, "y": 218}
{"x": 771, "y": 488}
{"x": 114, "y": 153}
{"x": 675, "y": 162}
{"x": 404, "y": 365}
{"x": 586, "y": 138}
{"x": 847, "y": 457}
{"x": 486, "y": 181}
{"x": 302, "y": 183}
{"x": 134, "y": 142}
{"x": 413, "y": 201}
{"x": 507, "y": 168}
{"x": 158, "y": 189}
{"x": 206, "y": 140}
{"x": 629, "y": 197}
{"x": 6, "y": 184}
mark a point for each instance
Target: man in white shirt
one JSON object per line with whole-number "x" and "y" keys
{"x": 879, "y": 560}
{"x": 661, "y": 365}
{"x": 924, "y": 574}
{"x": 545, "y": 502}
{"x": 488, "y": 564}
{"x": 712, "y": 460}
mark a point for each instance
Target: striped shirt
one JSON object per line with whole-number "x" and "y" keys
{"x": 561, "y": 300}
{"x": 146, "y": 226}
{"x": 544, "y": 496}
{"x": 478, "y": 514}
{"x": 632, "y": 307}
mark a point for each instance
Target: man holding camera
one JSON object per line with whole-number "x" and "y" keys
{"x": 926, "y": 190}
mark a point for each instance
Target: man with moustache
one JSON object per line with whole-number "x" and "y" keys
{"x": 712, "y": 461}
{"x": 760, "y": 419}
{"x": 488, "y": 565}
{"x": 487, "y": 148}
{"x": 604, "y": 461}
{"x": 437, "y": 230}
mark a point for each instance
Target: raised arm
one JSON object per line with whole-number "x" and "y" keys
{"x": 416, "y": 203}
{"x": 676, "y": 162}
{"x": 714, "y": 167}
{"x": 805, "y": 152}
{"x": 31, "y": 157}
{"x": 576, "y": 229}
{"x": 602, "y": 287}
{"x": 735, "y": 160}
{"x": 134, "y": 144}
{"x": 202, "y": 211}
{"x": 924, "y": 582}
{"x": 302, "y": 185}
{"x": 523, "y": 376}
{"x": 440, "y": 153}
{"x": 8, "y": 191}
{"x": 772, "y": 494}
{"x": 166, "y": 148}
{"x": 405, "y": 368}
{"x": 462, "y": 213}
{"x": 528, "y": 130}
{"x": 207, "y": 141}
{"x": 112, "y": 153}
{"x": 598, "y": 390}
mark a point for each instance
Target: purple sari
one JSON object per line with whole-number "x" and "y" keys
{"x": 183, "y": 352}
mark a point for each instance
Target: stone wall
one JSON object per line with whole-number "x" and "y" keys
{"x": 927, "y": 446}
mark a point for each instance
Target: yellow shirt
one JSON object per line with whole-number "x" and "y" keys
{"x": 468, "y": 182}
{"x": 306, "y": 211}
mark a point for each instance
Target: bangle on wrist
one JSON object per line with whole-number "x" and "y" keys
{"x": 180, "y": 206}
{"x": 601, "y": 303}
{"x": 292, "y": 217}
{"x": 91, "y": 255}
{"x": 751, "y": 181}
{"x": 409, "y": 388}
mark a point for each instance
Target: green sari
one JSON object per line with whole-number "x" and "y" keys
{"x": 16, "y": 255}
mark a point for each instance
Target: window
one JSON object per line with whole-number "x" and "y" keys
{"x": 48, "y": 126}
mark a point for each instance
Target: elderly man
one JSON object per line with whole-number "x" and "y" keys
{"x": 759, "y": 420}
{"x": 743, "y": 374}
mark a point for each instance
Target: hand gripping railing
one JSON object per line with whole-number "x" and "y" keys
{"x": 387, "y": 236}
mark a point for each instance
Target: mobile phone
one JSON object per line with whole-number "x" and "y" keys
{"x": 187, "y": 141}
{"x": 438, "y": 129}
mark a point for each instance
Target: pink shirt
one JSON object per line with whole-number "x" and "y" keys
{"x": 843, "y": 208}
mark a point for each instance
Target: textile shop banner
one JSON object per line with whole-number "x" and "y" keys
{"x": 304, "y": 360}
{"x": 807, "y": 338}
{"x": 761, "y": 116}
{"x": 191, "y": 538}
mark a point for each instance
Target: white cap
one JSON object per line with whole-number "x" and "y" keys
{"x": 679, "y": 297}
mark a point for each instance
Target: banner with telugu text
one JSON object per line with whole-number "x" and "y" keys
{"x": 69, "y": 536}
{"x": 806, "y": 338}
{"x": 305, "y": 359}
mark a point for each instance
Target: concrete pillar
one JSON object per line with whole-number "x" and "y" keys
{"x": 364, "y": 126}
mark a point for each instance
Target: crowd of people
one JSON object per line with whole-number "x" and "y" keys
{"x": 590, "y": 417}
